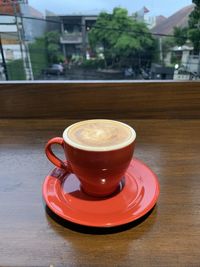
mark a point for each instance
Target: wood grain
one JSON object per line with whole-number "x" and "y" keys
{"x": 82, "y": 100}
{"x": 170, "y": 236}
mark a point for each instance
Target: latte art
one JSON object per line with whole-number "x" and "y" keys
{"x": 99, "y": 134}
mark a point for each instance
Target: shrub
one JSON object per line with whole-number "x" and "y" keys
{"x": 15, "y": 70}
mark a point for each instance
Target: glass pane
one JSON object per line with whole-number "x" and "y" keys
{"x": 99, "y": 40}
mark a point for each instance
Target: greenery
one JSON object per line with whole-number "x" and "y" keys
{"x": 124, "y": 40}
{"x": 54, "y": 53}
{"x": 44, "y": 52}
{"x": 180, "y": 35}
{"x": 192, "y": 32}
{"x": 93, "y": 64}
{"x": 176, "y": 58}
{"x": 38, "y": 56}
{"x": 15, "y": 70}
{"x": 167, "y": 44}
{"x": 194, "y": 26}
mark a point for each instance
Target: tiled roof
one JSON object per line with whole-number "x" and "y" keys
{"x": 34, "y": 12}
{"x": 160, "y": 19}
{"x": 178, "y": 19}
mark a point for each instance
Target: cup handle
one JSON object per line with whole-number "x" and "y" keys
{"x": 52, "y": 157}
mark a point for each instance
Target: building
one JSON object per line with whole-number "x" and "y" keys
{"x": 20, "y": 24}
{"x": 74, "y": 32}
{"x": 9, "y": 29}
{"x": 34, "y": 22}
{"x": 180, "y": 56}
{"x": 154, "y": 21}
{"x": 140, "y": 15}
{"x": 8, "y": 7}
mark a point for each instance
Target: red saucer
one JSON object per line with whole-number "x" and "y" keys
{"x": 136, "y": 196}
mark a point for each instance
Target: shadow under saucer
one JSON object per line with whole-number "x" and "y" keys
{"x": 95, "y": 230}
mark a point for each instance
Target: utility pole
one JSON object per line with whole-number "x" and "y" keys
{"x": 161, "y": 50}
{"x": 3, "y": 60}
{"x": 23, "y": 46}
{"x": 84, "y": 41}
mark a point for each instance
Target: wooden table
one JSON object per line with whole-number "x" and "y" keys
{"x": 169, "y": 236}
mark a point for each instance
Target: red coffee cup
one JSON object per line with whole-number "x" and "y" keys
{"x": 99, "y": 171}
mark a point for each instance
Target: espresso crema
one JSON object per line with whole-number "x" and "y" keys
{"x": 99, "y": 135}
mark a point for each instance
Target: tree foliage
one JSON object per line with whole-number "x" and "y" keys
{"x": 38, "y": 55}
{"x": 15, "y": 70}
{"x": 167, "y": 44}
{"x": 194, "y": 26}
{"x": 123, "y": 39}
{"x": 44, "y": 51}
{"x": 180, "y": 35}
{"x": 192, "y": 32}
{"x": 53, "y": 47}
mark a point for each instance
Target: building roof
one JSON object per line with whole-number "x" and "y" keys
{"x": 32, "y": 12}
{"x": 160, "y": 19}
{"x": 178, "y": 19}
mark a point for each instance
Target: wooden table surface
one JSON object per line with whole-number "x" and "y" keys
{"x": 169, "y": 236}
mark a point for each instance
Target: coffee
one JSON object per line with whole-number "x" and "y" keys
{"x": 99, "y": 135}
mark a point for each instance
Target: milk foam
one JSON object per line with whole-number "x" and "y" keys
{"x": 99, "y": 135}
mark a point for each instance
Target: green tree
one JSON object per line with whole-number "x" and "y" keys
{"x": 180, "y": 35}
{"x": 125, "y": 41}
{"x": 38, "y": 55}
{"x": 15, "y": 70}
{"x": 194, "y": 26}
{"x": 53, "y": 47}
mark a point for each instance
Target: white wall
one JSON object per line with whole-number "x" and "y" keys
{"x": 6, "y": 19}
{"x": 6, "y": 24}
{"x": 8, "y": 28}
{"x": 12, "y": 52}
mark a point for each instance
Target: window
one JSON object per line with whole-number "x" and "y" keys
{"x": 104, "y": 41}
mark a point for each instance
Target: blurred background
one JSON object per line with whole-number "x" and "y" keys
{"x": 99, "y": 41}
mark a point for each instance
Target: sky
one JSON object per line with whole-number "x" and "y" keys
{"x": 156, "y": 7}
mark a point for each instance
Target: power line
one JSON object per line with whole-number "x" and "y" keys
{"x": 100, "y": 27}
